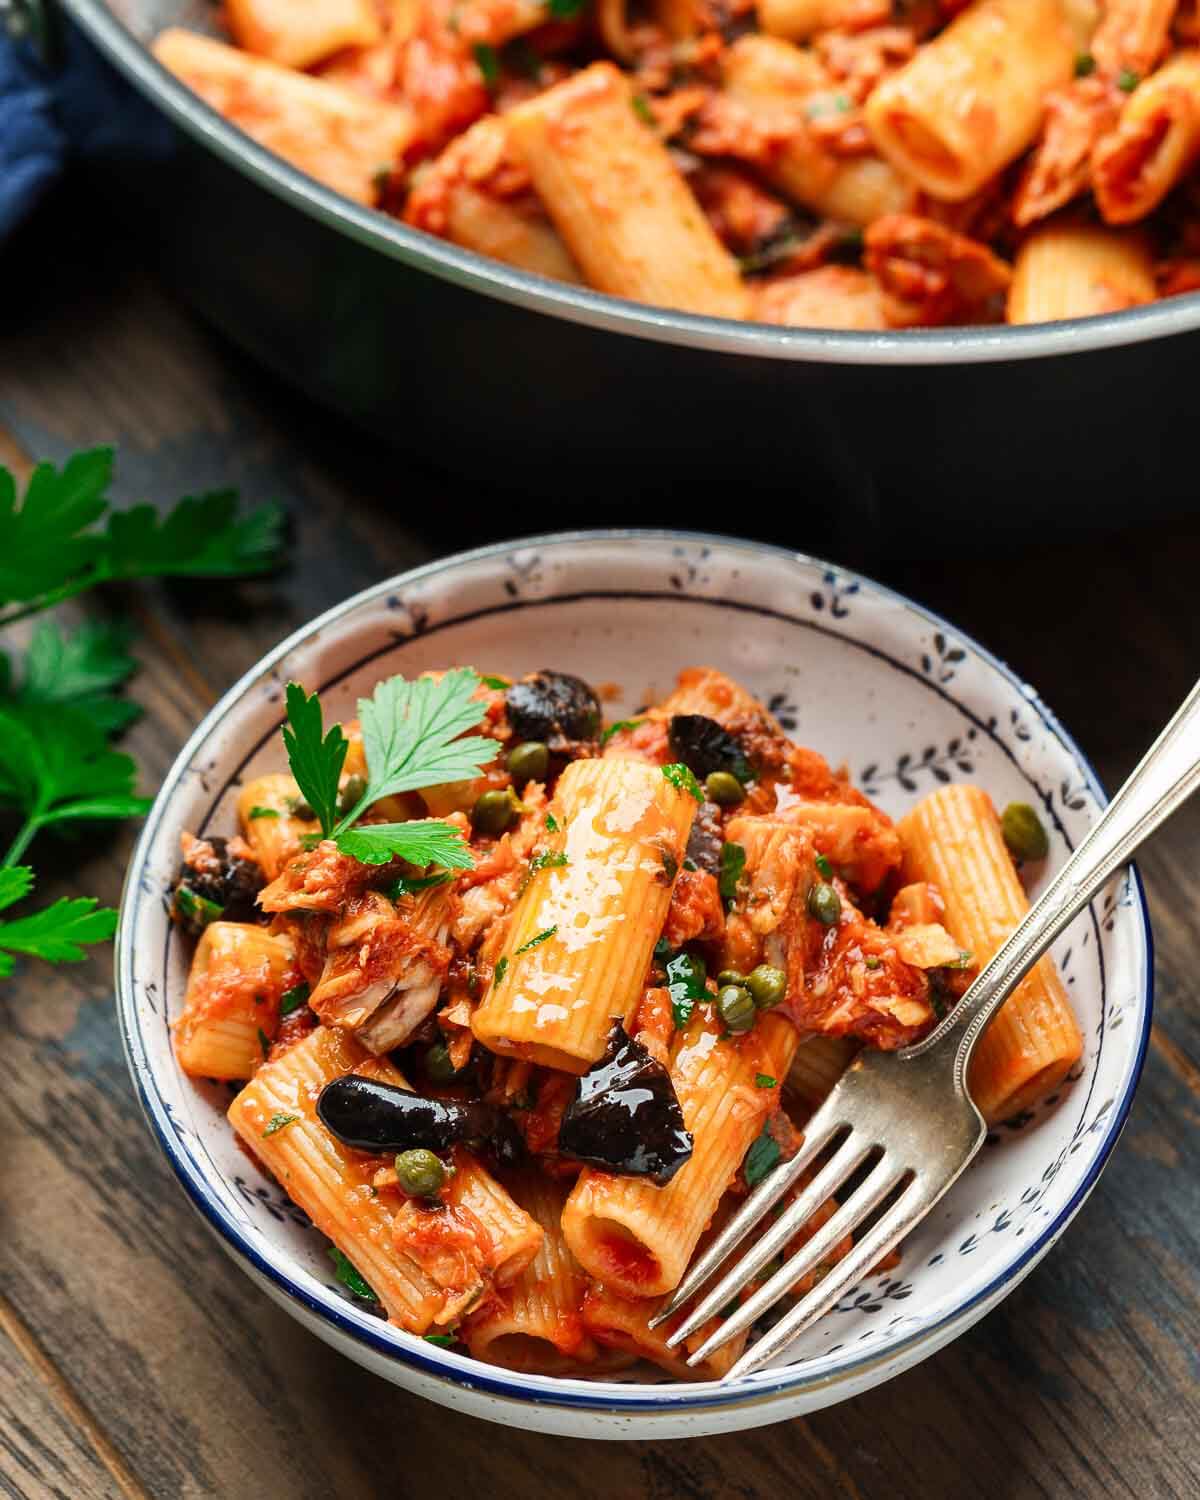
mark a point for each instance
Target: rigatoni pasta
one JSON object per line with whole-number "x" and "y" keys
{"x": 518, "y": 1039}
{"x": 1076, "y": 270}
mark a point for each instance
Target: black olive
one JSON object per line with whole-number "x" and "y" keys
{"x": 624, "y": 1115}
{"x": 555, "y": 708}
{"x": 224, "y": 886}
{"x": 373, "y": 1116}
{"x": 706, "y": 839}
{"x": 704, "y": 747}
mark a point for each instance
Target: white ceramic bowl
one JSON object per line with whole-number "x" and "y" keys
{"x": 900, "y": 696}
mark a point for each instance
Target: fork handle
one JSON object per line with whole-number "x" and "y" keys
{"x": 1167, "y": 775}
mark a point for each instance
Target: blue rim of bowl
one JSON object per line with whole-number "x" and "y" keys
{"x": 765, "y": 1385}
{"x": 974, "y": 345}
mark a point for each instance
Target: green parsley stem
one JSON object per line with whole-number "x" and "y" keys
{"x": 23, "y": 840}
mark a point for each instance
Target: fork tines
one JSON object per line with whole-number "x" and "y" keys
{"x": 885, "y": 1177}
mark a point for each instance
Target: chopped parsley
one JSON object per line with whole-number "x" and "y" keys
{"x": 499, "y": 972}
{"x": 1085, "y": 64}
{"x": 662, "y": 950}
{"x": 263, "y": 812}
{"x": 564, "y": 10}
{"x": 409, "y": 885}
{"x": 686, "y": 976}
{"x": 488, "y": 64}
{"x": 497, "y": 684}
{"x": 761, "y": 1159}
{"x": 618, "y": 728}
{"x": 293, "y": 999}
{"x": 197, "y": 908}
{"x": 278, "y": 1123}
{"x": 1127, "y": 80}
{"x": 824, "y": 867}
{"x": 551, "y": 822}
{"x": 872, "y": 961}
{"x": 764, "y": 1081}
{"x": 641, "y": 108}
{"x": 733, "y": 862}
{"x": 683, "y": 779}
{"x": 442, "y": 1340}
{"x": 350, "y": 1278}
{"x": 549, "y": 859}
{"x": 264, "y": 1041}
{"x": 537, "y": 940}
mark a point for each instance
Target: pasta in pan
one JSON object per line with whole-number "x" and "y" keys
{"x": 520, "y": 1005}
{"x": 851, "y": 164}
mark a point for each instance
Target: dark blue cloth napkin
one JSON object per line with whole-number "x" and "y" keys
{"x": 73, "y": 107}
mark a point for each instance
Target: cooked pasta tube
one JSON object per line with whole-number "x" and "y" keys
{"x": 267, "y": 813}
{"x": 828, "y": 297}
{"x": 582, "y": 934}
{"x": 971, "y": 100}
{"x": 624, "y": 1323}
{"x": 275, "y": 1115}
{"x": 299, "y": 35}
{"x": 1076, "y": 270}
{"x": 624, "y": 211}
{"x": 797, "y": 20}
{"x": 476, "y": 195}
{"x": 1157, "y": 140}
{"x": 339, "y": 137}
{"x": 535, "y": 1325}
{"x": 231, "y": 1007}
{"x": 953, "y": 839}
{"x": 1132, "y": 34}
{"x": 818, "y": 1064}
{"x": 638, "y": 1238}
{"x": 766, "y": 76}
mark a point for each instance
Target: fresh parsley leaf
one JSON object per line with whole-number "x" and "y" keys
{"x": 538, "y": 939}
{"x": 279, "y": 1122}
{"x": 641, "y": 108}
{"x": 414, "y": 735}
{"x": 761, "y": 1159}
{"x": 442, "y": 1340}
{"x": 499, "y": 972}
{"x": 201, "y": 537}
{"x": 662, "y": 950}
{"x": 262, "y": 812}
{"x": 686, "y": 985}
{"x": 49, "y": 550}
{"x": 548, "y": 859}
{"x": 488, "y": 64}
{"x": 316, "y": 758}
{"x": 199, "y": 910}
{"x": 294, "y": 998}
{"x": 423, "y": 841}
{"x": 551, "y": 822}
{"x": 79, "y": 669}
{"x": 409, "y": 885}
{"x": 58, "y": 933}
{"x": 351, "y": 1279}
{"x": 617, "y": 728}
{"x": 564, "y": 10}
{"x": 497, "y": 684}
{"x": 764, "y": 1081}
{"x": 264, "y": 1041}
{"x": 683, "y": 779}
{"x": 824, "y": 867}
{"x": 733, "y": 862}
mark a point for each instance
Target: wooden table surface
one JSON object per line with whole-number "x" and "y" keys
{"x": 137, "y": 1360}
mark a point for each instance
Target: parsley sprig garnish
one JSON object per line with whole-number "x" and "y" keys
{"x": 59, "y": 699}
{"x": 414, "y": 736}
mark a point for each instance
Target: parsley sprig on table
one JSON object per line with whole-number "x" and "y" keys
{"x": 59, "y": 705}
{"x": 414, "y": 736}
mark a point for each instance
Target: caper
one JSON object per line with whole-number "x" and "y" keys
{"x": 351, "y": 794}
{"x": 1023, "y": 832}
{"x": 528, "y": 762}
{"x": 439, "y": 1066}
{"x": 767, "y": 985}
{"x": 723, "y": 788}
{"x": 736, "y": 1007}
{"x": 494, "y": 812}
{"x": 299, "y": 808}
{"x": 824, "y": 903}
{"x": 731, "y": 976}
{"x": 420, "y": 1173}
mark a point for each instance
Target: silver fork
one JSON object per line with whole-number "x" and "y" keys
{"x": 911, "y": 1109}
